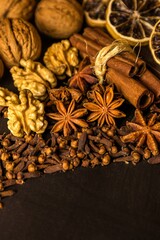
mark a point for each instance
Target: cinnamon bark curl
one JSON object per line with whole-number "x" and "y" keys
{"x": 125, "y": 70}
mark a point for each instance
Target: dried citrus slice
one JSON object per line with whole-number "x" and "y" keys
{"x": 132, "y": 20}
{"x": 154, "y": 42}
{"x": 95, "y": 12}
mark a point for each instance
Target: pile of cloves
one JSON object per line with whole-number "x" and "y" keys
{"x": 23, "y": 158}
{"x": 33, "y": 155}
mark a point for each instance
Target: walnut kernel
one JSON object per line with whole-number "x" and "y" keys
{"x": 61, "y": 58}
{"x": 25, "y": 113}
{"x": 35, "y": 77}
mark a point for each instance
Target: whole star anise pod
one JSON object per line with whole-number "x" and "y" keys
{"x": 104, "y": 107}
{"x": 64, "y": 94}
{"x": 83, "y": 76}
{"x": 155, "y": 107}
{"x": 96, "y": 87}
{"x": 67, "y": 119}
{"x": 144, "y": 132}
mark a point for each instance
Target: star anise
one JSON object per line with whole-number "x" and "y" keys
{"x": 67, "y": 119}
{"x": 64, "y": 94}
{"x": 104, "y": 107}
{"x": 96, "y": 87}
{"x": 83, "y": 76}
{"x": 155, "y": 107}
{"x": 144, "y": 132}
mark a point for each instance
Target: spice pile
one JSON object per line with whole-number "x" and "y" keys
{"x": 71, "y": 108}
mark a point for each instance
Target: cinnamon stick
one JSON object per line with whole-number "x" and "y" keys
{"x": 138, "y": 95}
{"x": 145, "y": 76}
{"x": 82, "y": 45}
{"x": 126, "y": 63}
{"x": 86, "y": 46}
{"x": 98, "y": 35}
{"x": 103, "y": 39}
{"x": 151, "y": 82}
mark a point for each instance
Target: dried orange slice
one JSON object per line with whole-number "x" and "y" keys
{"x": 154, "y": 42}
{"x": 95, "y": 12}
{"x": 132, "y": 20}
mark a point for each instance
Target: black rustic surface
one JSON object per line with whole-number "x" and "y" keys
{"x": 116, "y": 202}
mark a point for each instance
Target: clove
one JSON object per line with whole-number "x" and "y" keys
{"x": 82, "y": 141}
{"x": 53, "y": 168}
{"x": 154, "y": 160}
{"x": 7, "y": 193}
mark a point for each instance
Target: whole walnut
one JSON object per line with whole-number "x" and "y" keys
{"x": 59, "y": 18}
{"x": 17, "y": 9}
{"x": 1, "y": 68}
{"x": 18, "y": 39}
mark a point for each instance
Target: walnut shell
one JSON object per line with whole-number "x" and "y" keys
{"x": 17, "y": 9}
{"x": 1, "y": 68}
{"x": 59, "y": 18}
{"x": 18, "y": 39}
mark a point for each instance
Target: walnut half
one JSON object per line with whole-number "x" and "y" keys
{"x": 35, "y": 77}
{"x": 25, "y": 114}
{"x": 18, "y": 39}
{"x": 7, "y": 97}
{"x": 61, "y": 58}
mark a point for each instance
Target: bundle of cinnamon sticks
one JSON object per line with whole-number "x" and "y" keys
{"x": 128, "y": 72}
